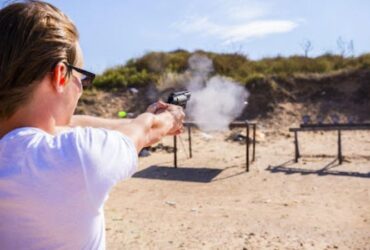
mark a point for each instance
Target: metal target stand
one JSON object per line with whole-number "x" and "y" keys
{"x": 326, "y": 127}
{"x": 236, "y": 124}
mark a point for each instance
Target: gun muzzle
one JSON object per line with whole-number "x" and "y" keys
{"x": 179, "y": 98}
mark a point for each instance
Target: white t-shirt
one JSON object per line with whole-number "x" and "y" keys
{"x": 53, "y": 188}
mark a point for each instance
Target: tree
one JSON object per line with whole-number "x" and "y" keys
{"x": 345, "y": 48}
{"x": 351, "y": 48}
{"x": 341, "y": 44}
{"x": 306, "y": 46}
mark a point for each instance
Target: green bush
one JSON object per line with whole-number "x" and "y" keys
{"x": 154, "y": 65}
{"x": 160, "y": 62}
{"x": 254, "y": 78}
{"x": 365, "y": 61}
{"x": 123, "y": 77}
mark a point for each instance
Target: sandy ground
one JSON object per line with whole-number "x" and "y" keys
{"x": 210, "y": 202}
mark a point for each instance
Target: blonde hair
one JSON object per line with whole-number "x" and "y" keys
{"x": 35, "y": 36}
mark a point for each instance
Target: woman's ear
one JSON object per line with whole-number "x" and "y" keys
{"x": 59, "y": 77}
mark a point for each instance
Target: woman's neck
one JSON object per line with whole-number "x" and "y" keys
{"x": 28, "y": 117}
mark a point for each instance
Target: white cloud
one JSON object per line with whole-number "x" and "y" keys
{"x": 255, "y": 29}
{"x": 239, "y": 21}
{"x": 247, "y": 10}
{"x": 198, "y": 25}
{"x": 237, "y": 32}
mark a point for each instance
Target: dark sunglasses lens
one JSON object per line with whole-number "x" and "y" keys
{"x": 86, "y": 81}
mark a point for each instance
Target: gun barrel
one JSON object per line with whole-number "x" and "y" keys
{"x": 179, "y": 98}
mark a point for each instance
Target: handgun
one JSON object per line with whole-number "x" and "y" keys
{"x": 179, "y": 98}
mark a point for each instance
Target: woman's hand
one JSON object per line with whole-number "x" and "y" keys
{"x": 176, "y": 111}
{"x": 161, "y": 119}
{"x": 178, "y": 119}
{"x": 157, "y": 106}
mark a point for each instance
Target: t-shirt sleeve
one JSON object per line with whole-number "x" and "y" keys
{"x": 106, "y": 157}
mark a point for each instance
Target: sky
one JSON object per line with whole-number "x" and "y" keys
{"x": 114, "y": 31}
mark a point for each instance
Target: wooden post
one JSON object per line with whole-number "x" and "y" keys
{"x": 254, "y": 143}
{"x": 247, "y": 146}
{"x": 175, "y": 150}
{"x": 340, "y": 157}
{"x": 189, "y": 137}
{"x": 296, "y": 146}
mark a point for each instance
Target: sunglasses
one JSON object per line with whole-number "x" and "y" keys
{"x": 88, "y": 77}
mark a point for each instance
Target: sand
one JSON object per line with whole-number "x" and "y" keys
{"x": 211, "y": 202}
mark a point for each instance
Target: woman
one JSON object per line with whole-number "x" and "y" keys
{"x": 56, "y": 169}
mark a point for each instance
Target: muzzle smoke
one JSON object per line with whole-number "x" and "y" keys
{"x": 215, "y": 102}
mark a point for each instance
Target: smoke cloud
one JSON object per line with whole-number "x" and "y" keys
{"x": 215, "y": 102}
{"x": 200, "y": 67}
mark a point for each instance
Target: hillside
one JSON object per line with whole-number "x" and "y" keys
{"x": 279, "y": 87}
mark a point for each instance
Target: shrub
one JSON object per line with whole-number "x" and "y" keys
{"x": 153, "y": 66}
{"x": 123, "y": 77}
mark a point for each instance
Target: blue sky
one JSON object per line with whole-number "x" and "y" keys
{"x": 114, "y": 31}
